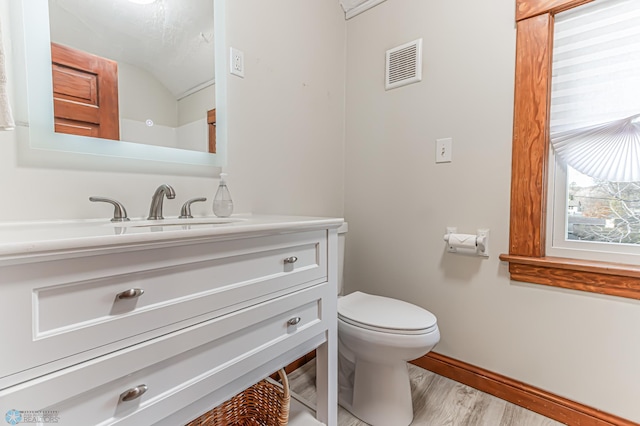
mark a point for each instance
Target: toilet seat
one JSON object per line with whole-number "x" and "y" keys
{"x": 385, "y": 315}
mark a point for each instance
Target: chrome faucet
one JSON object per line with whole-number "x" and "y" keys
{"x": 155, "y": 211}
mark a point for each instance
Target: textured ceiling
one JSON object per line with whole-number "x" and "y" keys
{"x": 171, "y": 39}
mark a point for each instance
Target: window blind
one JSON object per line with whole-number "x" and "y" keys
{"x": 595, "y": 97}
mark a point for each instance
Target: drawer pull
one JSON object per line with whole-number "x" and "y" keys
{"x": 291, "y": 259}
{"x": 132, "y": 293}
{"x": 133, "y": 393}
{"x": 294, "y": 321}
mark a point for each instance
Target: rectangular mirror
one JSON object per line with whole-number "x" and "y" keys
{"x": 162, "y": 122}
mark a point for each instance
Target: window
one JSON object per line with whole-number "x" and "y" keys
{"x": 595, "y": 102}
{"x": 588, "y": 209}
{"x": 527, "y": 257}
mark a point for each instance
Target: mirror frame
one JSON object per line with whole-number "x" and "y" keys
{"x": 39, "y": 145}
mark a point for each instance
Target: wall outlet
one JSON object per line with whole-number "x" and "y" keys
{"x": 443, "y": 150}
{"x": 236, "y": 62}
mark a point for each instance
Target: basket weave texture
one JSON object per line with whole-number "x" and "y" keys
{"x": 263, "y": 404}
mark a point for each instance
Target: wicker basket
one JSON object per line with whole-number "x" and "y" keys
{"x": 263, "y": 404}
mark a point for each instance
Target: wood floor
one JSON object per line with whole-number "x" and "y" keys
{"x": 437, "y": 401}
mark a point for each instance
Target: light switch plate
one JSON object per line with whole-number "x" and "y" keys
{"x": 443, "y": 150}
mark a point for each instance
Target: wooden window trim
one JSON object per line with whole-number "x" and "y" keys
{"x": 527, "y": 232}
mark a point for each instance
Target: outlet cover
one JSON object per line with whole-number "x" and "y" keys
{"x": 236, "y": 62}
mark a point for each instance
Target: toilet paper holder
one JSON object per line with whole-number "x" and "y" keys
{"x": 476, "y": 244}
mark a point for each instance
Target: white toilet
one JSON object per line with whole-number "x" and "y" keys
{"x": 376, "y": 337}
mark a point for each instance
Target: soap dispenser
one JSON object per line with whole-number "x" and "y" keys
{"x": 222, "y": 202}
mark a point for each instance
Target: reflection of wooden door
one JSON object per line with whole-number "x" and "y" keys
{"x": 85, "y": 93}
{"x": 211, "y": 125}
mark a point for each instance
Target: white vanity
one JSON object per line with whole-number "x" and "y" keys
{"x": 155, "y": 323}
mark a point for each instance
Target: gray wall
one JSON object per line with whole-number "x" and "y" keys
{"x": 398, "y": 203}
{"x": 286, "y": 117}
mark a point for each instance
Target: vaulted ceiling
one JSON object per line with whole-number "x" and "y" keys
{"x": 354, "y": 7}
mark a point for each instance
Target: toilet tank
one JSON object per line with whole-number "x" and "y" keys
{"x": 342, "y": 233}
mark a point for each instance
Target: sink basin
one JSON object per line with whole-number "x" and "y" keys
{"x": 177, "y": 223}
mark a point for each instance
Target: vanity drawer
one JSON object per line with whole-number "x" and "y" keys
{"x": 177, "y": 369}
{"x": 65, "y": 307}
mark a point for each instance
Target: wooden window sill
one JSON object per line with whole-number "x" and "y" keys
{"x": 615, "y": 279}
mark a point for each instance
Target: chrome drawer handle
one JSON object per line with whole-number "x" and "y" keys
{"x": 132, "y": 293}
{"x": 291, "y": 259}
{"x": 133, "y": 393}
{"x": 294, "y": 321}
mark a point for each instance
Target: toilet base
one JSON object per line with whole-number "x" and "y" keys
{"x": 382, "y": 394}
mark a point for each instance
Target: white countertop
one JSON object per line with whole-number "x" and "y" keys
{"x": 22, "y": 239}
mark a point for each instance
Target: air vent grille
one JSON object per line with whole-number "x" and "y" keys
{"x": 404, "y": 65}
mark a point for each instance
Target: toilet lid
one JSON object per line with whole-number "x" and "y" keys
{"x": 384, "y": 314}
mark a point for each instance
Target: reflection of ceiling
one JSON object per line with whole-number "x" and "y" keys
{"x": 171, "y": 39}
